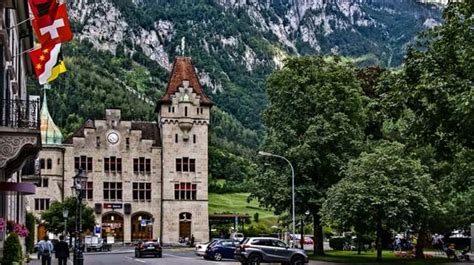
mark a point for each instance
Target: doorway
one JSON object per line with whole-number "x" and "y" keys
{"x": 185, "y": 220}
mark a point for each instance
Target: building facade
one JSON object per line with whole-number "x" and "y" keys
{"x": 20, "y": 139}
{"x": 146, "y": 180}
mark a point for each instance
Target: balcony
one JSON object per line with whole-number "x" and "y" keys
{"x": 20, "y": 137}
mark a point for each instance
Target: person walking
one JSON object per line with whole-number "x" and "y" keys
{"x": 62, "y": 251}
{"x": 46, "y": 248}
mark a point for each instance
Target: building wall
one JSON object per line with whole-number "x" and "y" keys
{"x": 174, "y": 122}
{"x": 138, "y": 147}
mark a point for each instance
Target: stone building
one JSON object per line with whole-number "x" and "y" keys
{"x": 145, "y": 179}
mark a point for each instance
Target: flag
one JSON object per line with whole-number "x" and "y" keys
{"x": 44, "y": 8}
{"x": 48, "y": 62}
{"x": 57, "y": 29}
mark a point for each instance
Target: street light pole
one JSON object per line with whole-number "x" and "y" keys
{"x": 292, "y": 190}
{"x": 80, "y": 182}
{"x": 65, "y": 214}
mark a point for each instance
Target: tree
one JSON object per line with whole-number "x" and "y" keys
{"x": 315, "y": 118}
{"x": 384, "y": 189}
{"x": 30, "y": 225}
{"x": 12, "y": 251}
{"x": 54, "y": 220}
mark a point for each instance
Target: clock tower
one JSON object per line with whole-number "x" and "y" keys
{"x": 183, "y": 116}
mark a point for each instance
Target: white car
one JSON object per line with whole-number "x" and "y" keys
{"x": 201, "y": 248}
{"x": 237, "y": 237}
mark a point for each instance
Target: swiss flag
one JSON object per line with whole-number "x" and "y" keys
{"x": 44, "y": 8}
{"x": 54, "y": 27}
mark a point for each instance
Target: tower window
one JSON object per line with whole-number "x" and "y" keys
{"x": 176, "y": 138}
{"x": 49, "y": 163}
{"x": 185, "y": 164}
{"x": 42, "y": 163}
{"x": 59, "y": 161}
{"x": 127, "y": 142}
{"x": 194, "y": 138}
{"x": 197, "y": 111}
{"x": 172, "y": 109}
{"x": 169, "y": 109}
{"x": 201, "y": 110}
{"x": 185, "y": 191}
{"x": 97, "y": 141}
{"x": 185, "y": 111}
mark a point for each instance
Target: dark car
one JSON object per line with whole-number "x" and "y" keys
{"x": 220, "y": 249}
{"x": 148, "y": 248}
{"x": 255, "y": 250}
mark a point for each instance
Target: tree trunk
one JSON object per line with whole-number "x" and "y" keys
{"x": 318, "y": 246}
{"x": 359, "y": 247}
{"x": 379, "y": 241}
{"x": 421, "y": 243}
{"x": 302, "y": 234}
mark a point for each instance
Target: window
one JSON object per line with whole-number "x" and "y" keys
{"x": 185, "y": 111}
{"x": 59, "y": 161}
{"x": 42, "y": 163}
{"x": 113, "y": 165}
{"x": 83, "y": 162}
{"x": 97, "y": 141}
{"x": 169, "y": 108}
{"x": 185, "y": 164}
{"x": 185, "y": 191}
{"x": 41, "y": 204}
{"x": 49, "y": 163}
{"x": 172, "y": 109}
{"x": 194, "y": 138}
{"x": 44, "y": 182}
{"x": 141, "y": 191}
{"x": 113, "y": 191}
{"x": 201, "y": 110}
{"x": 197, "y": 111}
{"x": 141, "y": 165}
{"x": 176, "y": 138}
{"x": 127, "y": 142}
{"x": 88, "y": 193}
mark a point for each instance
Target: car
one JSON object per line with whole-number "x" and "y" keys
{"x": 238, "y": 237}
{"x": 150, "y": 248}
{"x": 254, "y": 250}
{"x": 220, "y": 249}
{"x": 201, "y": 248}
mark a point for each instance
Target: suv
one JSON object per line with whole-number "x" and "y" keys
{"x": 254, "y": 250}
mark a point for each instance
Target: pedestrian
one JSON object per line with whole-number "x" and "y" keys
{"x": 192, "y": 240}
{"x": 46, "y": 248}
{"x": 62, "y": 251}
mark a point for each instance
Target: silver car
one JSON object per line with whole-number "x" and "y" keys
{"x": 254, "y": 250}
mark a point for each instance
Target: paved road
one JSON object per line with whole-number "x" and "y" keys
{"x": 170, "y": 257}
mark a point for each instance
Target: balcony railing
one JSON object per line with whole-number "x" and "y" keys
{"x": 17, "y": 113}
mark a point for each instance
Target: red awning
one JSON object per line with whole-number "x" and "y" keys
{"x": 18, "y": 187}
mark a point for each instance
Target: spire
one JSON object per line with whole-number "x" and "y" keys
{"x": 50, "y": 133}
{"x": 183, "y": 73}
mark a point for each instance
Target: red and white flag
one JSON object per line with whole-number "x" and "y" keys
{"x": 41, "y": 8}
{"x": 53, "y": 27}
{"x": 48, "y": 62}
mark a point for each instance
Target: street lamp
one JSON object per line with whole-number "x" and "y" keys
{"x": 78, "y": 187}
{"x": 262, "y": 153}
{"x": 65, "y": 214}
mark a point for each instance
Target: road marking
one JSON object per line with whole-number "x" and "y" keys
{"x": 139, "y": 260}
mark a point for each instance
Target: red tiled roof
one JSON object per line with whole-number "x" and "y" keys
{"x": 183, "y": 69}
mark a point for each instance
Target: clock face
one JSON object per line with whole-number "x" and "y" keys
{"x": 113, "y": 138}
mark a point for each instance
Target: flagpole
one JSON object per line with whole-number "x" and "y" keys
{"x": 23, "y": 52}
{"x": 14, "y": 26}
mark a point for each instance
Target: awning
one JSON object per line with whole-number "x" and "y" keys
{"x": 18, "y": 187}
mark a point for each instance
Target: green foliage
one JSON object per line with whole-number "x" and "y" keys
{"x": 257, "y": 230}
{"x": 12, "y": 251}
{"x": 384, "y": 189}
{"x": 54, "y": 220}
{"x": 30, "y": 224}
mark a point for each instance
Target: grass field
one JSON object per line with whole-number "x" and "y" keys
{"x": 237, "y": 203}
{"x": 388, "y": 257}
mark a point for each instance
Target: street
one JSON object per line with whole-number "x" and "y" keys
{"x": 170, "y": 257}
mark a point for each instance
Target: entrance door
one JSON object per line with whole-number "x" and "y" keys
{"x": 142, "y": 227}
{"x": 112, "y": 226}
{"x": 184, "y": 226}
{"x": 41, "y": 232}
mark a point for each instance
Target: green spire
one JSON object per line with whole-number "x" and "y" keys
{"x": 50, "y": 133}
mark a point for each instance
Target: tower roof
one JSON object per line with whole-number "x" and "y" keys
{"x": 50, "y": 133}
{"x": 183, "y": 70}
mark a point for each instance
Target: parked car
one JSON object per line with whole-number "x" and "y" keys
{"x": 220, "y": 249}
{"x": 238, "y": 237}
{"x": 144, "y": 248}
{"x": 201, "y": 248}
{"x": 255, "y": 250}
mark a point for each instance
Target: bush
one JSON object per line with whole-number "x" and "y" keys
{"x": 337, "y": 243}
{"x": 12, "y": 249}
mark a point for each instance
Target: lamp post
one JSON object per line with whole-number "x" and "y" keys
{"x": 65, "y": 214}
{"x": 79, "y": 184}
{"x": 292, "y": 190}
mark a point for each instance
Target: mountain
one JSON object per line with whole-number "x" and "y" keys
{"x": 123, "y": 51}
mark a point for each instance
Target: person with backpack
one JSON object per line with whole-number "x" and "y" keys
{"x": 62, "y": 251}
{"x": 46, "y": 248}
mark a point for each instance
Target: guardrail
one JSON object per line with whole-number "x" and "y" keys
{"x": 17, "y": 113}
